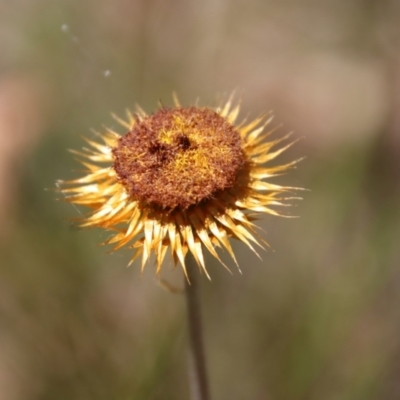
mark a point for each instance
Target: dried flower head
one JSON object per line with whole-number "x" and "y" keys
{"x": 181, "y": 179}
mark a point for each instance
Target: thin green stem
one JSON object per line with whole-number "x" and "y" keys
{"x": 198, "y": 381}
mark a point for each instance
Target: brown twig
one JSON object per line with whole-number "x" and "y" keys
{"x": 198, "y": 381}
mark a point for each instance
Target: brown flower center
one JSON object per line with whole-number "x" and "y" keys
{"x": 178, "y": 157}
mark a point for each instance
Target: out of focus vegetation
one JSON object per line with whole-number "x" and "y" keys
{"x": 319, "y": 317}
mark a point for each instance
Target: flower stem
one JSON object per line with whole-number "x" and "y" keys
{"x": 198, "y": 381}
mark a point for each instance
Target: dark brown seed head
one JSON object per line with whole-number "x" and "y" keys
{"x": 178, "y": 157}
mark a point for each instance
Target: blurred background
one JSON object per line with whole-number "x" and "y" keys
{"x": 319, "y": 317}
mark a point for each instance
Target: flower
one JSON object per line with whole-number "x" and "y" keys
{"x": 181, "y": 179}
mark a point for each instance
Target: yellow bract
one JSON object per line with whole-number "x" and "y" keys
{"x": 148, "y": 228}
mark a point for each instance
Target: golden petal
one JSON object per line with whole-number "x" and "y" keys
{"x": 134, "y": 221}
{"x": 110, "y": 137}
{"x": 260, "y": 185}
{"x": 266, "y": 147}
{"x": 145, "y": 256}
{"x": 96, "y": 176}
{"x": 124, "y": 238}
{"x": 97, "y": 146}
{"x": 131, "y": 118}
{"x": 176, "y": 100}
{"x": 255, "y": 133}
{"x": 262, "y": 209}
{"x": 180, "y": 251}
{"x": 84, "y": 201}
{"x": 202, "y": 233}
{"x": 199, "y": 255}
{"x": 156, "y": 233}
{"x": 122, "y": 122}
{"x": 172, "y": 236}
{"x": 253, "y": 124}
{"x": 233, "y": 114}
{"x": 93, "y": 188}
{"x": 224, "y": 112}
{"x": 270, "y": 156}
{"x": 239, "y": 231}
{"x": 255, "y": 138}
{"x": 239, "y": 216}
{"x": 186, "y": 232}
{"x": 148, "y": 235}
{"x": 219, "y": 234}
{"x": 138, "y": 252}
{"x": 141, "y": 113}
{"x": 262, "y": 173}
{"x": 94, "y": 167}
{"x": 92, "y": 156}
{"x": 161, "y": 252}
